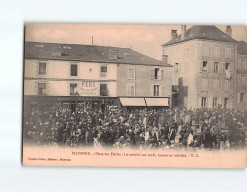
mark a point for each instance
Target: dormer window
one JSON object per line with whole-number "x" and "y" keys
{"x": 113, "y": 55}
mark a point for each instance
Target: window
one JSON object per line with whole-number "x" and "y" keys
{"x": 157, "y": 73}
{"x": 243, "y": 64}
{"x": 215, "y": 102}
{"x": 156, "y": 90}
{"x": 242, "y": 97}
{"x": 73, "y": 89}
{"x": 226, "y": 102}
{"x": 73, "y": 70}
{"x": 216, "y": 67}
{"x": 216, "y": 85}
{"x": 240, "y": 63}
{"x": 227, "y": 85}
{"x": 113, "y": 54}
{"x": 205, "y": 51}
{"x": 204, "y": 102}
{"x": 41, "y": 88}
{"x": 186, "y": 67}
{"x": 204, "y": 65}
{"x": 103, "y": 90}
{"x": 131, "y": 89}
{"x": 216, "y": 52}
{"x": 176, "y": 68}
{"x": 204, "y": 84}
{"x": 103, "y": 71}
{"x": 243, "y": 79}
{"x": 227, "y": 66}
{"x": 42, "y": 68}
{"x": 228, "y": 52}
{"x": 131, "y": 72}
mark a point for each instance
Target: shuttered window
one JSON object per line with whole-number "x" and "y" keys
{"x": 131, "y": 72}
{"x": 204, "y": 85}
{"x": 131, "y": 89}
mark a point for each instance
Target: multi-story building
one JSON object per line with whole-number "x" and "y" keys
{"x": 241, "y": 87}
{"x": 79, "y": 76}
{"x": 204, "y": 65}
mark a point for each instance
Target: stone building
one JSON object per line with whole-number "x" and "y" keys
{"x": 78, "y": 76}
{"x": 204, "y": 67}
{"x": 241, "y": 87}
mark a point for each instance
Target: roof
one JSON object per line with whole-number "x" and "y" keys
{"x": 202, "y": 32}
{"x": 242, "y": 47}
{"x": 88, "y": 53}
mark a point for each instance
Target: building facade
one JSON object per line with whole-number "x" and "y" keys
{"x": 204, "y": 67}
{"x": 79, "y": 76}
{"x": 241, "y": 87}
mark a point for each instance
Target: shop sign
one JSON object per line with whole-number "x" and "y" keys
{"x": 89, "y": 88}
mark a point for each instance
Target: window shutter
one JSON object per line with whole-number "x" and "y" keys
{"x": 239, "y": 64}
{"x": 239, "y": 79}
{"x": 151, "y": 90}
{"x": 238, "y": 97}
{"x": 161, "y": 90}
{"x": 134, "y": 72}
{"x": 221, "y": 67}
{"x": 210, "y": 102}
{"x": 219, "y": 101}
{"x": 179, "y": 67}
{"x": 162, "y": 74}
{"x": 134, "y": 89}
{"x": 200, "y": 66}
{"x": 128, "y": 90}
{"x": 152, "y": 73}
{"x": 199, "y": 102}
{"x": 209, "y": 66}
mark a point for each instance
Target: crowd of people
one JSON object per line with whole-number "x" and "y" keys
{"x": 137, "y": 128}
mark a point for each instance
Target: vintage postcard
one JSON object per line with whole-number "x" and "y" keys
{"x": 135, "y": 95}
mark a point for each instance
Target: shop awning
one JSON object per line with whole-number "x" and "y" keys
{"x": 132, "y": 101}
{"x": 157, "y": 101}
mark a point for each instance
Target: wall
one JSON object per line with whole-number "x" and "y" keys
{"x": 143, "y": 82}
{"x": 221, "y": 75}
{"x": 241, "y": 88}
{"x": 190, "y": 56}
{"x": 184, "y": 55}
{"x": 58, "y": 79}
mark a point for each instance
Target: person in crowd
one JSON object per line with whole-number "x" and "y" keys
{"x": 137, "y": 128}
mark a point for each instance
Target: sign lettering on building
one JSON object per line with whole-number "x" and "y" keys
{"x": 89, "y": 88}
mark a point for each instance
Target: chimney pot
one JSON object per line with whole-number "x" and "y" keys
{"x": 229, "y": 31}
{"x": 174, "y": 34}
{"x": 183, "y": 32}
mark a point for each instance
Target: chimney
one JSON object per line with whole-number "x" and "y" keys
{"x": 174, "y": 34}
{"x": 229, "y": 31}
{"x": 183, "y": 32}
{"x": 165, "y": 59}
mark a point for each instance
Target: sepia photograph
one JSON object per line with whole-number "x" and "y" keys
{"x": 135, "y": 95}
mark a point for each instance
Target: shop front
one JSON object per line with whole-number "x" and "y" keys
{"x": 74, "y": 103}
{"x": 145, "y": 102}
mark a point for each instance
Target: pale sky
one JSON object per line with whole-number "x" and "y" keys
{"x": 146, "y": 39}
